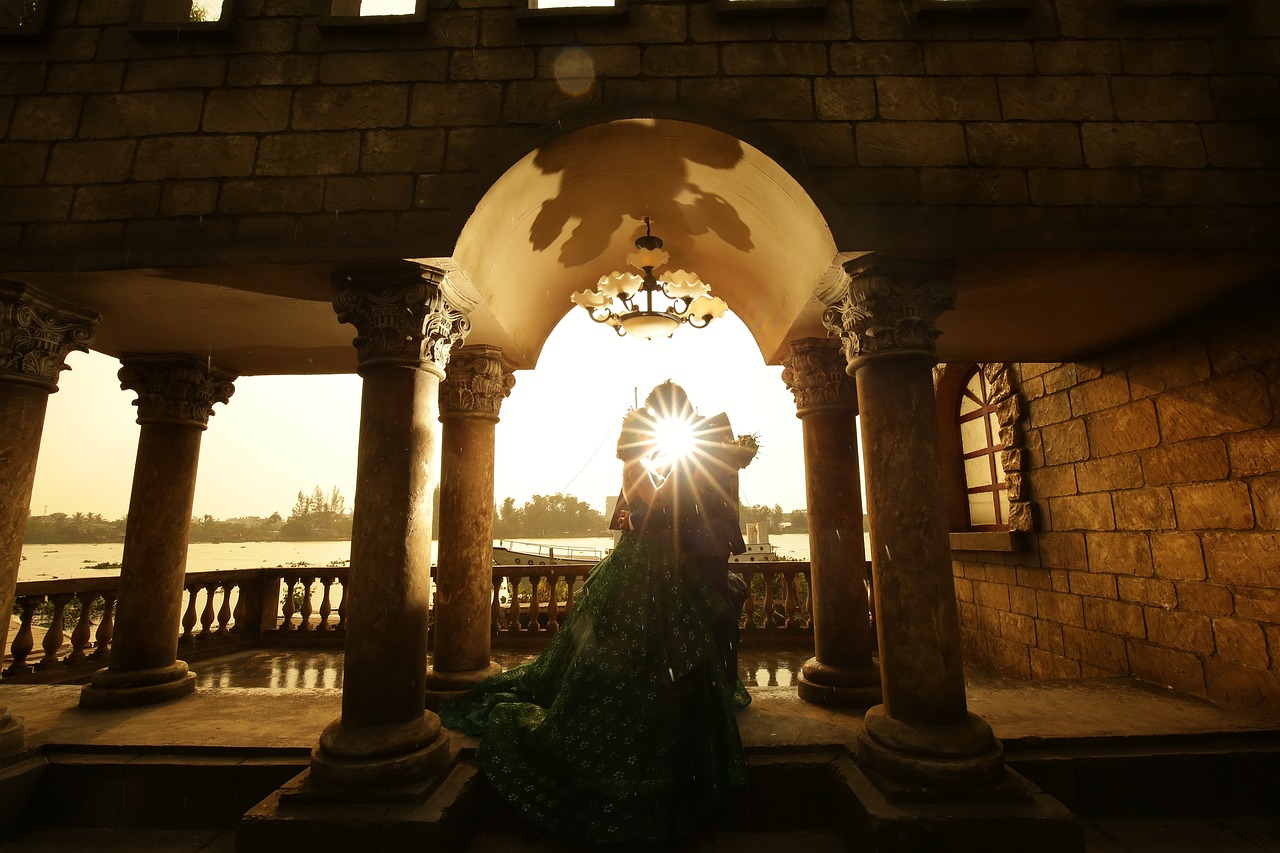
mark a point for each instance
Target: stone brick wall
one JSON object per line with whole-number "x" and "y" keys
{"x": 1072, "y": 125}
{"x": 1155, "y": 474}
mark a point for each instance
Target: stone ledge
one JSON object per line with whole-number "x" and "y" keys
{"x": 985, "y": 540}
{"x": 968, "y": 7}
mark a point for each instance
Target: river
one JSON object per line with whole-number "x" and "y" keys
{"x": 49, "y": 562}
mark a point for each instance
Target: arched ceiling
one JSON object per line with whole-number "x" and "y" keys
{"x": 569, "y": 212}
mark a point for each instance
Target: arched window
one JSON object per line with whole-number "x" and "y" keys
{"x": 987, "y": 497}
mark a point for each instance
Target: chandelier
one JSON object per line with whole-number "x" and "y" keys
{"x": 646, "y": 306}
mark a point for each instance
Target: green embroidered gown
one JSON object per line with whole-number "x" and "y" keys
{"x": 623, "y": 729}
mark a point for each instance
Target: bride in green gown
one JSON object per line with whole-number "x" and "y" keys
{"x": 623, "y": 729}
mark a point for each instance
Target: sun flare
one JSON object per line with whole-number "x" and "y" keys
{"x": 674, "y": 438}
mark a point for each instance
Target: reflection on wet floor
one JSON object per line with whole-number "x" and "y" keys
{"x": 305, "y": 669}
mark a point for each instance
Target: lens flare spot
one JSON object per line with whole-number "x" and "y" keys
{"x": 575, "y": 71}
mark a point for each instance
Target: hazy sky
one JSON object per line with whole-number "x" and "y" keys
{"x": 557, "y": 434}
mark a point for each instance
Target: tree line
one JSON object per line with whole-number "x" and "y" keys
{"x": 320, "y": 515}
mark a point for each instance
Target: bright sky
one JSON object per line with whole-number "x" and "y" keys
{"x": 557, "y": 434}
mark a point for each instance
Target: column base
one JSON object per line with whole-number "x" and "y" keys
{"x": 823, "y": 684}
{"x": 354, "y": 764}
{"x": 442, "y": 686}
{"x": 959, "y": 755}
{"x": 12, "y": 731}
{"x": 129, "y": 688}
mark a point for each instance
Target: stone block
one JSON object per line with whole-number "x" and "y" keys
{"x": 1242, "y": 686}
{"x": 1065, "y": 442}
{"x": 682, "y": 60}
{"x": 1184, "y": 366}
{"x": 534, "y": 102}
{"x": 141, "y": 114}
{"x": 472, "y": 148}
{"x": 1023, "y": 600}
{"x": 1049, "y": 636}
{"x": 964, "y": 589}
{"x": 304, "y": 154}
{"x": 440, "y": 191}
{"x": 1095, "y": 585}
{"x": 758, "y": 59}
{"x": 993, "y": 595}
{"x": 273, "y": 70}
{"x": 1247, "y": 559}
{"x": 661, "y": 23}
{"x": 1054, "y": 481}
{"x": 257, "y": 110}
{"x": 978, "y": 57}
{"x": 35, "y": 204}
{"x": 188, "y": 198}
{"x": 179, "y": 72}
{"x": 408, "y": 151}
{"x": 844, "y": 99}
{"x": 1144, "y": 509}
{"x": 1180, "y": 629}
{"x": 1189, "y": 186}
{"x": 1120, "y": 553}
{"x": 1109, "y": 473}
{"x": 382, "y": 67}
{"x": 1241, "y": 144}
{"x": 272, "y": 195}
{"x": 1240, "y": 641}
{"x": 1078, "y": 57}
{"x": 1123, "y": 429}
{"x": 1063, "y": 551}
{"x": 1257, "y": 603}
{"x": 24, "y": 162}
{"x": 820, "y": 144}
{"x": 877, "y": 58}
{"x": 1170, "y": 667}
{"x": 116, "y": 201}
{"x": 706, "y": 24}
{"x": 85, "y": 77}
{"x": 1050, "y": 408}
{"x": 23, "y": 78}
{"x": 633, "y": 92}
{"x": 1247, "y": 96}
{"x": 45, "y": 117}
{"x": 1118, "y": 145}
{"x": 1253, "y": 453}
{"x": 911, "y": 144}
{"x": 1265, "y": 492}
{"x": 350, "y": 107}
{"x": 1174, "y": 98}
{"x": 1177, "y": 556}
{"x": 1114, "y": 617}
{"x": 1043, "y": 98}
{"x": 1208, "y": 506}
{"x": 1146, "y": 56}
{"x": 938, "y": 98}
{"x": 456, "y": 28}
{"x": 1032, "y": 578}
{"x": 1207, "y": 598}
{"x": 194, "y": 157}
{"x": 85, "y": 236}
{"x": 1061, "y": 608}
{"x": 607, "y": 61}
{"x": 762, "y": 98}
{"x": 1096, "y": 648}
{"x": 1084, "y": 186}
{"x": 373, "y": 192}
{"x": 1152, "y": 591}
{"x": 1061, "y": 377}
{"x": 269, "y": 35}
{"x": 495, "y": 63}
{"x": 1184, "y": 463}
{"x": 1106, "y": 392}
{"x": 1047, "y": 666}
{"x": 452, "y": 104}
{"x": 836, "y": 25}
{"x": 1244, "y": 345}
{"x": 974, "y": 186}
{"x": 1054, "y": 144}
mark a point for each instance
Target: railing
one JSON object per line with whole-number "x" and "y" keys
{"x": 229, "y": 609}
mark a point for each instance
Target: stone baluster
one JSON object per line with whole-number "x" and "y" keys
{"x": 325, "y": 606}
{"x": 841, "y": 670}
{"x": 224, "y": 611}
{"x": 106, "y": 627}
{"x": 240, "y": 612}
{"x": 342, "y": 606}
{"x": 286, "y": 604}
{"x": 24, "y": 641}
{"x": 37, "y": 333}
{"x": 479, "y": 378}
{"x": 923, "y": 733}
{"x": 189, "y": 617}
{"x": 176, "y": 395}
{"x": 83, "y": 630}
{"x": 307, "y": 608}
{"x": 209, "y": 613}
{"x": 54, "y": 637}
{"x": 406, "y": 332}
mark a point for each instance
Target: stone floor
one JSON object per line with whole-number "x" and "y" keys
{"x": 232, "y": 711}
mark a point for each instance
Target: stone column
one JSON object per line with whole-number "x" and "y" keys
{"x": 477, "y": 382}
{"x": 36, "y": 334}
{"x": 923, "y": 733}
{"x": 406, "y": 329}
{"x": 841, "y": 670}
{"x": 176, "y": 393}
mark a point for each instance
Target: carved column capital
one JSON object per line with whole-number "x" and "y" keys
{"x": 400, "y": 314}
{"x": 815, "y": 372}
{"x": 36, "y": 334}
{"x": 478, "y": 380}
{"x": 175, "y": 388}
{"x": 892, "y": 307}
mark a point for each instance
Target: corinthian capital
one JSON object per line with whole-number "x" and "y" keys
{"x": 36, "y": 333}
{"x": 892, "y": 307}
{"x": 400, "y": 314}
{"x": 175, "y": 388}
{"x": 816, "y": 373}
{"x": 477, "y": 382}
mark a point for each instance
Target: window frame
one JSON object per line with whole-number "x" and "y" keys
{"x": 992, "y": 450}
